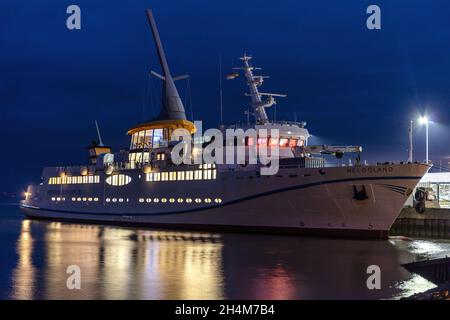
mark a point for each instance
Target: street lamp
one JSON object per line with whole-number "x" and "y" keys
{"x": 424, "y": 120}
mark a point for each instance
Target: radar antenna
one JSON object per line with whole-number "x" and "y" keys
{"x": 254, "y": 82}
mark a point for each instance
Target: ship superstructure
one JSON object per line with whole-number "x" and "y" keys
{"x": 143, "y": 186}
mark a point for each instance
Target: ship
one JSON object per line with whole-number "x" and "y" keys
{"x": 143, "y": 186}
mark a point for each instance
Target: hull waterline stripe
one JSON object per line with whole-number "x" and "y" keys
{"x": 302, "y": 186}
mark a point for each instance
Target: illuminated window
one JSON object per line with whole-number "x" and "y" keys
{"x": 78, "y": 199}
{"x": 114, "y": 200}
{"x": 53, "y": 199}
{"x": 120, "y": 199}
{"x": 89, "y": 199}
{"x": 149, "y": 200}
{"x": 108, "y": 199}
{"x": 214, "y": 174}
{"x": 157, "y": 176}
{"x": 156, "y": 200}
{"x": 197, "y": 200}
{"x": 172, "y": 176}
{"x": 74, "y": 199}
{"x": 160, "y": 156}
{"x": 197, "y": 174}
{"x": 171, "y": 200}
{"x": 149, "y": 177}
{"x": 84, "y": 198}
{"x": 283, "y": 142}
{"x": 292, "y": 143}
{"x": 95, "y": 199}
{"x": 164, "y": 176}
{"x": 217, "y": 200}
{"x": 188, "y": 200}
{"x": 208, "y": 200}
{"x": 141, "y": 200}
{"x": 273, "y": 142}
{"x": 74, "y": 179}
{"x": 180, "y": 175}
{"x": 189, "y": 175}
{"x": 262, "y": 141}
{"x": 163, "y": 200}
{"x": 118, "y": 180}
{"x": 180, "y": 200}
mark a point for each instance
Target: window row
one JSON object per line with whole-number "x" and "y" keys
{"x": 182, "y": 175}
{"x": 179, "y": 200}
{"x": 117, "y": 200}
{"x": 74, "y": 180}
{"x": 153, "y": 138}
{"x": 272, "y": 142}
{"x": 85, "y": 199}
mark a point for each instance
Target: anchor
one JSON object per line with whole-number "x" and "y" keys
{"x": 360, "y": 194}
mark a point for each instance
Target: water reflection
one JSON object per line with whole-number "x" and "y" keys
{"x": 24, "y": 275}
{"x": 121, "y": 263}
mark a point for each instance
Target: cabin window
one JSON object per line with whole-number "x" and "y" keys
{"x": 283, "y": 142}
{"x": 118, "y": 180}
{"x": 273, "y": 142}
{"x": 293, "y": 143}
{"x": 262, "y": 141}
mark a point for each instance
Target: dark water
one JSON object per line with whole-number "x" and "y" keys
{"x": 124, "y": 263}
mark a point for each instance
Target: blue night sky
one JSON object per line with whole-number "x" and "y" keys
{"x": 351, "y": 85}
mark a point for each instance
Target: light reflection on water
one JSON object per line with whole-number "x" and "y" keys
{"x": 122, "y": 263}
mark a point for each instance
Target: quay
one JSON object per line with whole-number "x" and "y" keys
{"x": 434, "y": 222}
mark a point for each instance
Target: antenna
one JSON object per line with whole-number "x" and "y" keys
{"x": 410, "y": 149}
{"x": 100, "y": 142}
{"x": 254, "y": 82}
{"x": 220, "y": 84}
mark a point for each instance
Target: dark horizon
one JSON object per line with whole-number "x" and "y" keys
{"x": 351, "y": 85}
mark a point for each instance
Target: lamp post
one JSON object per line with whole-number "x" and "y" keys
{"x": 424, "y": 120}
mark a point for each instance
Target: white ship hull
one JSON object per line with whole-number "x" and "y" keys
{"x": 314, "y": 201}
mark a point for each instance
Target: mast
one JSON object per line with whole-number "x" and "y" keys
{"x": 100, "y": 142}
{"x": 253, "y": 83}
{"x": 172, "y": 108}
{"x": 410, "y": 150}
